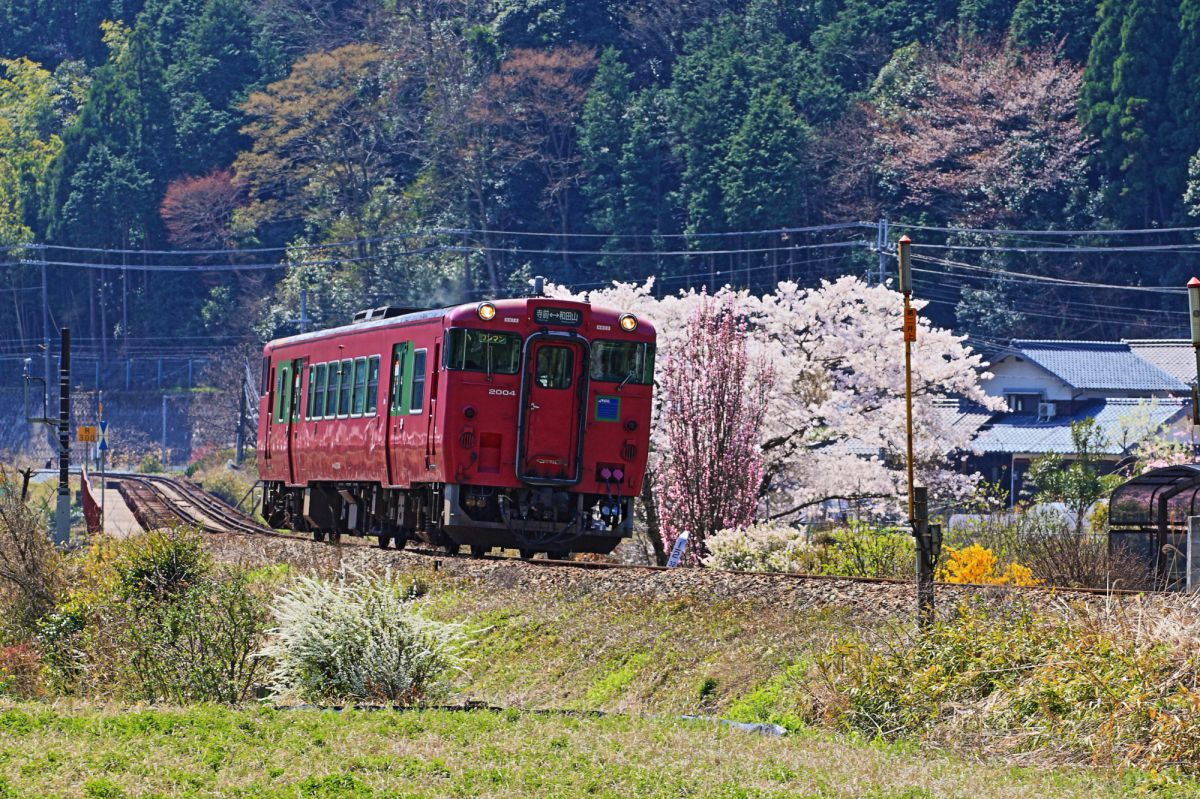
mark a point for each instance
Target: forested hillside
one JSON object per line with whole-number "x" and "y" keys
{"x": 426, "y": 151}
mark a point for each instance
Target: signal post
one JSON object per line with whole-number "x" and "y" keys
{"x": 928, "y": 538}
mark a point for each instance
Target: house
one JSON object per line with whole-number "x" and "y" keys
{"x": 1131, "y": 389}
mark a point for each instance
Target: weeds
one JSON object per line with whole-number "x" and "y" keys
{"x": 1109, "y": 685}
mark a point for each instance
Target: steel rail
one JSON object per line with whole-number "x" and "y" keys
{"x": 175, "y": 494}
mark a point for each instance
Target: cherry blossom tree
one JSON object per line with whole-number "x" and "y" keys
{"x": 834, "y": 426}
{"x": 715, "y": 399}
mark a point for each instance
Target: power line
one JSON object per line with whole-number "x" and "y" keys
{"x": 1044, "y": 278}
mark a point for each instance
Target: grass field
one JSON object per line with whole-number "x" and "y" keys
{"x": 85, "y": 751}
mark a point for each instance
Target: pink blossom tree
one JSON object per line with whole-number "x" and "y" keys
{"x": 834, "y": 426}
{"x": 714, "y": 399}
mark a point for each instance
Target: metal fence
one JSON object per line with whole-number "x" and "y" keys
{"x": 114, "y": 374}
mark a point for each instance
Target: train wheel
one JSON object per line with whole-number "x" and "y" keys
{"x": 478, "y": 550}
{"x": 453, "y": 549}
{"x": 527, "y": 554}
{"x": 558, "y": 554}
{"x": 335, "y": 537}
{"x": 401, "y": 539}
{"x": 318, "y": 535}
{"x": 384, "y": 539}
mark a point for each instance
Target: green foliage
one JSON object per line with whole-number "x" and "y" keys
{"x": 118, "y": 155}
{"x": 1124, "y": 103}
{"x": 1107, "y": 686}
{"x": 163, "y": 563}
{"x": 761, "y": 184}
{"x": 1078, "y": 482}
{"x": 212, "y": 73}
{"x": 153, "y": 619}
{"x": 857, "y": 550}
{"x": 862, "y": 551}
{"x": 1040, "y": 23}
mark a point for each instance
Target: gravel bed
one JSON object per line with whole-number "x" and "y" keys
{"x": 778, "y": 591}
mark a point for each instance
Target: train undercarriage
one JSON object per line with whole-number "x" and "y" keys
{"x": 530, "y": 519}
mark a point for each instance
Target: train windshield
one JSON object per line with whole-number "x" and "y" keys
{"x": 623, "y": 361}
{"x": 483, "y": 351}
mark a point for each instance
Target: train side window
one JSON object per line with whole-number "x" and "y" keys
{"x": 331, "y": 390}
{"x": 312, "y": 387}
{"x": 372, "y": 385}
{"x": 319, "y": 401}
{"x": 347, "y": 386}
{"x": 264, "y": 384}
{"x": 360, "y": 386}
{"x": 399, "y": 364}
{"x": 418, "y": 382}
{"x": 283, "y": 393}
{"x": 297, "y": 382}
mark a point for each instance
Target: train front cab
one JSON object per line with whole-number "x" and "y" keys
{"x": 577, "y": 389}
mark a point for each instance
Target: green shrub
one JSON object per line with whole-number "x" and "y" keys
{"x": 854, "y": 551}
{"x": 863, "y": 551}
{"x": 1098, "y": 683}
{"x": 161, "y": 562}
{"x": 151, "y": 463}
{"x": 364, "y": 639}
{"x": 32, "y": 573}
{"x": 227, "y": 485}
{"x": 151, "y": 618}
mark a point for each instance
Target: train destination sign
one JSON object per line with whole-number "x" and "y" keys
{"x": 558, "y": 316}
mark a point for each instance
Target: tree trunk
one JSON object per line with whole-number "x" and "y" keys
{"x": 653, "y": 531}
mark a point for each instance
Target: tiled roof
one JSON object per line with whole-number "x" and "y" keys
{"x": 1023, "y": 433}
{"x": 1174, "y": 356}
{"x": 1098, "y": 365}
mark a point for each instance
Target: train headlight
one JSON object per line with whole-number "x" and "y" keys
{"x": 628, "y": 322}
{"x": 486, "y": 311}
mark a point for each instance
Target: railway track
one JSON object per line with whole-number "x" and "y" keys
{"x": 157, "y": 500}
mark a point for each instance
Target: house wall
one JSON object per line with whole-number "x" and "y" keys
{"x": 1015, "y": 375}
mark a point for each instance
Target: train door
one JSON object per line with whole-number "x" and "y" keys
{"x": 397, "y": 409}
{"x": 553, "y": 385}
{"x": 279, "y": 417}
{"x": 292, "y": 417}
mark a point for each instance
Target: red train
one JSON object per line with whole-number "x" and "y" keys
{"x": 520, "y": 423}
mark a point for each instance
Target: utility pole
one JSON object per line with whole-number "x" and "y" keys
{"x": 240, "y": 447}
{"x": 45, "y": 314}
{"x": 1193, "y": 288}
{"x": 881, "y": 239}
{"x": 303, "y": 310}
{"x": 927, "y": 537}
{"x": 62, "y": 527}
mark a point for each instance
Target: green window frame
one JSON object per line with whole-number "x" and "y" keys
{"x": 400, "y": 372}
{"x": 332, "y": 386}
{"x": 297, "y": 384}
{"x": 358, "y": 398}
{"x": 347, "y": 388}
{"x": 372, "y": 385}
{"x": 308, "y": 400}
{"x": 283, "y": 392}
{"x": 417, "y": 396}
{"x": 319, "y": 392}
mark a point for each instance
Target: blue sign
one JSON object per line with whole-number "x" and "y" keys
{"x": 608, "y": 409}
{"x": 677, "y": 550}
{"x": 103, "y": 436}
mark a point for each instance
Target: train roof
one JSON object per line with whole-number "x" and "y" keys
{"x": 463, "y": 309}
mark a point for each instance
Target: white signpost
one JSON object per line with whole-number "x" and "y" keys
{"x": 677, "y": 551}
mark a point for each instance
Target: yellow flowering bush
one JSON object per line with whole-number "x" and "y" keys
{"x": 976, "y": 565}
